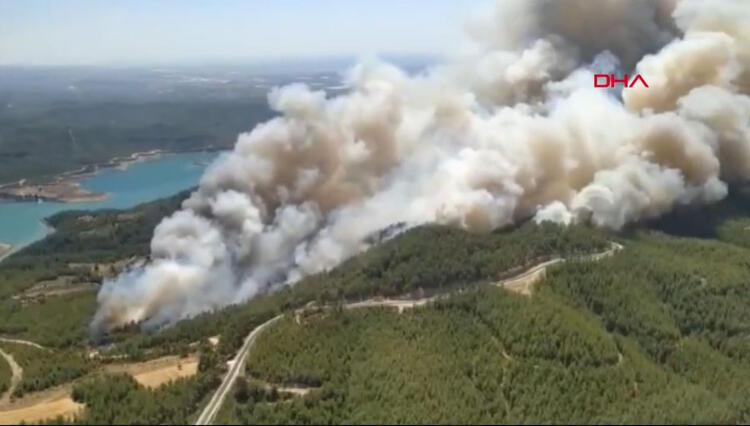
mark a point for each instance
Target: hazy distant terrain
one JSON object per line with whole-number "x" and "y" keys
{"x": 58, "y": 119}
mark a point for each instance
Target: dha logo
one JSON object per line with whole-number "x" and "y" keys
{"x": 609, "y": 81}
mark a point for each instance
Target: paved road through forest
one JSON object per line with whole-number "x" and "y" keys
{"x": 236, "y": 366}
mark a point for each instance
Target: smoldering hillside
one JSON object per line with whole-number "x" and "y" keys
{"x": 511, "y": 130}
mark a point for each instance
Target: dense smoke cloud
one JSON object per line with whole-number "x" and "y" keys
{"x": 511, "y": 131}
{"x": 628, "y": 29}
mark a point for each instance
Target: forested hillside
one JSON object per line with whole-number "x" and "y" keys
{"x": 656, "y": 333}
{"x": 48, "y": 290}
{"x": 429, "y": 259}
{"x": 48, "y": 298}
{"x": 665, "y": 341}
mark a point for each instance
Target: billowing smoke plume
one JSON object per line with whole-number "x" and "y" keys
{"x": 510, "y": 131}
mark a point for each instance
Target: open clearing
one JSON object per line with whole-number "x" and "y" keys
{"x": 57, "y": 402}
{"x": 155, "y": 373}
{"x": 46, "y": 405}
{"x": 293, "y": 390}
{"x": 60, "y": 286}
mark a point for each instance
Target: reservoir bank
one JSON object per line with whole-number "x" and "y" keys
{"x": 22, "y": 222}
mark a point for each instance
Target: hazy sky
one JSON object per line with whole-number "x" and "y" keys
{"x": 167, "y": 31}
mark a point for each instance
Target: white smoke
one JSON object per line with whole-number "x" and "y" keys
{"x": 511, "y": 131}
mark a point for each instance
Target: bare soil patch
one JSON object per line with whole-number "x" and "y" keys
{"x": 157, "y": 372}
{"x": 40, "y": 406}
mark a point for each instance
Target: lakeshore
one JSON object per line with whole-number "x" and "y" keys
{"x": 126, "y": 183}
{"x": 63, "y": 191}
{"x": 5, "y": 251}
{"x": 66, "y": 187}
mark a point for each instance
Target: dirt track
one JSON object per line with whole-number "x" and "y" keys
{"x": 36, "y": 407}
{"x": 17, "y": 372}
{"x": 14, "y": 367}
{"x": 22, "y": 342}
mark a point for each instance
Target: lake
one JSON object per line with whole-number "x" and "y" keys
{"x": 21, "y": 222}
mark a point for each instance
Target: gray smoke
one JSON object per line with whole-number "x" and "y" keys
{"x": 510, "y": 131}
{"x": 628, "y": 29}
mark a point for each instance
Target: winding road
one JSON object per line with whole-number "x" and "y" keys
{"x": 22, "y": 342}
{"x": 15, "y": 379}
{"x": 522, "y": 282}
{"x": 209, "y": 413}
{"x": 14, "y": 367}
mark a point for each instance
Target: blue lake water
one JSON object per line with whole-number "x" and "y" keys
{"x": 21, "y": 223}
